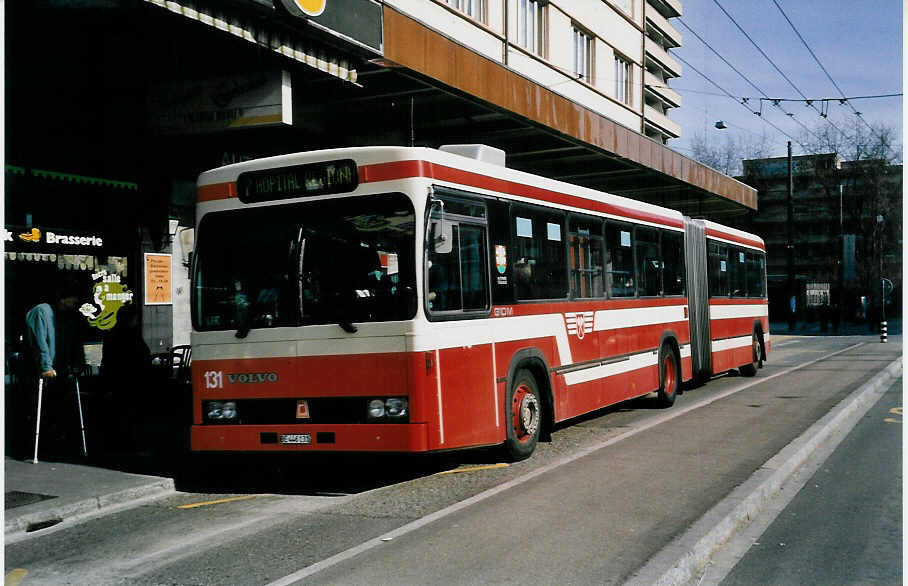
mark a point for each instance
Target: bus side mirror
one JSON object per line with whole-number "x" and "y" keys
{"x": 442, "y": 236}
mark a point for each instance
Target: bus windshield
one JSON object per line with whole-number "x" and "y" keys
{"x": 338, "y": 261}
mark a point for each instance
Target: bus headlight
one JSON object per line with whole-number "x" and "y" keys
{"x": 376, "y": 409}
{"x": 220, "y": 410}
{"x": 395, "y": 408}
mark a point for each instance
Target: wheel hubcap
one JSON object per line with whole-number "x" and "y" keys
{"x": 525, "y": 408}
{"x": 668, "y": 377}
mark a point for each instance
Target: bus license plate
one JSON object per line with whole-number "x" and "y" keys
{"x": 296, "y": 438}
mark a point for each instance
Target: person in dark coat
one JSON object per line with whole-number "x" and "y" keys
{"x": 125, "y": 373}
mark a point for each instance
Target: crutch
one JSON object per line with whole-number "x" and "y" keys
{"x": 38, "y": 419}
{"x": 81, "y": 420}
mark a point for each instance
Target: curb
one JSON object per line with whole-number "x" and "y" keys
{"x": 93, "y": 506}
{"x": 747, "y": 501}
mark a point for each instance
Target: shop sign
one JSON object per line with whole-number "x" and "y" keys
{"x": 35, "y": 236}
{"x": 356, "y": 20}
{"x": 222, "y": 103}
{"x": 305, "y": 7}
{"x": 109, "y": 294}
{"x": 158, "y": 279}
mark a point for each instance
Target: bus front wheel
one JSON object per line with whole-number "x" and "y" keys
{"x": 524, "y": 416}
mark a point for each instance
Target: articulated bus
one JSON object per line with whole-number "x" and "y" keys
{"x": 393, "y": 299}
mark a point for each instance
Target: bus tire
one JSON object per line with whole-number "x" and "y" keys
{"x": 524, "y": 416}
{"x": 669, "y": 375}
{"x": 756, "y": 358}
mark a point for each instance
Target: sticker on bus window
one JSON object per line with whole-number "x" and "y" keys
{"x": 501, "y": 258}
{"x": 554, "y": 231}
{"x": 722, "y": 265}
{"x": 524, "y": 227}
{"x": 625, "y": 239}
{"x": 740, "y": 257}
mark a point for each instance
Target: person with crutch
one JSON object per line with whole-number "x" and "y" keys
{"x": 52, "y": 335}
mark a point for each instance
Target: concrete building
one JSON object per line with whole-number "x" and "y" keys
{"x": 845, "y": 233}
{"x": 114, "y": 113}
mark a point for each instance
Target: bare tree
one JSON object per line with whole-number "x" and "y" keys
{"x": 727, "y": 153}
{"x": 868, "y": 187}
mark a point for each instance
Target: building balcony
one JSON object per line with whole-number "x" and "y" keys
{"x": 657, "y": 119}
{"x": 661, "y": 24}
{"x": 667, "y": 8}
{"x": 661, "y": 90}
{"x": 661, "y": 57}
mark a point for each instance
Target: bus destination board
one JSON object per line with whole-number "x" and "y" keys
{"x": 298, "y": 181}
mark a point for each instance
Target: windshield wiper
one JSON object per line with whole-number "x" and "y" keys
{"x": 348, "y": 327}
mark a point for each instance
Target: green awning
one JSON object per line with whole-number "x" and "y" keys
{"x": 71, "y": 178}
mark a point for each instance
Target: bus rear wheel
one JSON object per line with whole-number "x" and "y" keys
{"x": 756, "y": 358}
{"x": 524, "y": 416}
{"x": 669, "y": 376}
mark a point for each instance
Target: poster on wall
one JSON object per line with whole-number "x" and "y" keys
{"x": 158, "y": 279}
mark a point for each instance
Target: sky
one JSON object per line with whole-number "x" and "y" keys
{"x": 858, "y": 42}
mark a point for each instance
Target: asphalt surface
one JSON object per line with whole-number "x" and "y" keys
{"x": 845, "y": 525}
{"x": 593, "y": 511}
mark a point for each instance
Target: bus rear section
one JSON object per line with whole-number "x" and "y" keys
{"x": 728, "y": 302}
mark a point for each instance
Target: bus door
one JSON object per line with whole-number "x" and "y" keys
{"x": 456, "y": 301}
{"x": 695, "y": 256}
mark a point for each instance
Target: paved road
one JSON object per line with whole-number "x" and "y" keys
{"x": 845, "y": 525}
{"x": 570, "y": 514}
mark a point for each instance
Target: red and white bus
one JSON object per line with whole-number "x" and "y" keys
{"x": 414, "y": 300}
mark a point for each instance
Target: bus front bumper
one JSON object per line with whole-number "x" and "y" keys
{"x": 378, "y": 437}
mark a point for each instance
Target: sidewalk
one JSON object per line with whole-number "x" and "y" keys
{"x": 44, "y": 494}
{"x": 803, "y": 328}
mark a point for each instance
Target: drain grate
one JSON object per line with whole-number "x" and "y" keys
{"x": 17, "y": 498}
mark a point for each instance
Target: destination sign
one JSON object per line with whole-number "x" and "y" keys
{"x": 298, "y": 181}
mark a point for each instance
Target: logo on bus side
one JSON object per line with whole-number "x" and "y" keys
{"x": 579, "y": 323}
{"x": 252, "y": 377}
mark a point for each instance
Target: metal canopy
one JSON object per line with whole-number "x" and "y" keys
{"x": 396, "y": 106}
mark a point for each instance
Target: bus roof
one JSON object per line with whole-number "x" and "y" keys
{"x": 383, "y": 163}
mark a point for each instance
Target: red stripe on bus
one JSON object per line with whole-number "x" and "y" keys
{"x": 409, "y": 169}
{"x": 217, "y": 191}
{"x": 734, "y": 238}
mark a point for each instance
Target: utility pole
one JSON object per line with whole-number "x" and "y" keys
{"x": 790, "y": 247}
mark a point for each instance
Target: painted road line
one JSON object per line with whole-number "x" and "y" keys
{"x": 474, "y": 469}
{"x": 447, "y": 511}
{"x": 15, "y": 577}
{"x": 219, "y": 501}
{"x": 894, "y": 411}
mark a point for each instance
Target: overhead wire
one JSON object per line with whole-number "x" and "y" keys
{"x": 745, "y": 78}
{"x": 744, "y": 105}
{"x": 771, "y": 62}
{"x": 815, "y": 58}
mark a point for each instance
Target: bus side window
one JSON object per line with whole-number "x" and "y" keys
{"x": 457, "y": 275}
{"x": 718, "y": 270}
{"x": 540, "y": 263}
{"x": 737, "y": 277}
{"x": 619, "y": 267}
{"x": 673, "y": 259}
{"x": 649, "y": 265}
{"x": 586, "y": 250}
{"x": 755, "y": 275}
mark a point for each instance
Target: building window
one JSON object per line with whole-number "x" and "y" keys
{"x": 626, "y": 5}
{"x": 583, "y": 55}
{"x": 472, "y": 8}
{"x": 623, "y": 80}
{"x": 531, "y": 26}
